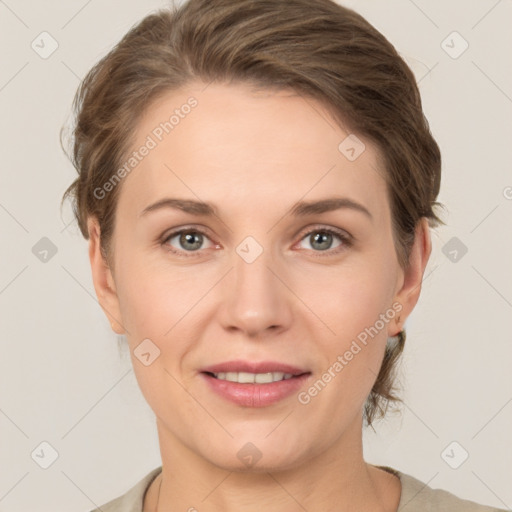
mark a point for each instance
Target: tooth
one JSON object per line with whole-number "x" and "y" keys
{"x": 263, "y": 378}
{"x": 244, "y": 377}
{"x": 249, "y": 378}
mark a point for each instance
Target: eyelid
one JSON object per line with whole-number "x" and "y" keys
{"x": 324, "y": 227}
{"x": 188, "y": 227}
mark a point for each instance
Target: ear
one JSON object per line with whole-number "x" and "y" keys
{"x": 412, "y": 277}
{"x": 103, "y": 279}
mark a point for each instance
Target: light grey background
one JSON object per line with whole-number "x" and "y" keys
{"x": 63, "y": 380}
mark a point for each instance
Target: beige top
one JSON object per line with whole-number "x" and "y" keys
{"x": 416, "y": 497}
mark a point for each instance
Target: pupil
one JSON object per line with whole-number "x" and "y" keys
{"x": 189, "y": 238}
{"x": 319, "y": 237}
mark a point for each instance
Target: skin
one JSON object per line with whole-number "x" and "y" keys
{"x": 254, "y": 155}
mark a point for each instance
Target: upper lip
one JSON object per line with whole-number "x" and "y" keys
{"x": 254, "y": 367}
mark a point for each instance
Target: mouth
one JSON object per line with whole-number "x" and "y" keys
{"x": 251, "y": 384}
{"x": 250, "y": 372}
{"x": 251, "y": 378}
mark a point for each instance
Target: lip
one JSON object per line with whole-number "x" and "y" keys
{"x": 254, "y": 367}
{"x": 255, "y": 395}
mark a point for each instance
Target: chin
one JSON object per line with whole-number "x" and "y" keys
{"x": 258, "y": 456}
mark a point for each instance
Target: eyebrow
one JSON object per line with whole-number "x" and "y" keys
{"x": 300, "y": 209}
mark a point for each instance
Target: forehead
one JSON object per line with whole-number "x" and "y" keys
{"x": 230, "y": 144}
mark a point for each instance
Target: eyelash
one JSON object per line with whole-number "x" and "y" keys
{"x": 344, "y": 238}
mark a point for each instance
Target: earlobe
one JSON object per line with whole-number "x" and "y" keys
{"x": 409, "y": 292}
{"x": 104, "y": 284}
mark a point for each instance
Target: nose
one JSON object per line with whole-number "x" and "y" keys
{"x": 256, "y": 302}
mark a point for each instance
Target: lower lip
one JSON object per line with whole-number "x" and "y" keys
{"x": 255, "y": 395}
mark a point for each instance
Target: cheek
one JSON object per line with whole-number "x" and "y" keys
{"x": 154, "y": 306}
{"x": 350, "y": 358}
{"x": 162, "y": 305}
{"x": 348, "y": 299}
{"x": 154, "y": 299}
{"x": 355, "y": 304}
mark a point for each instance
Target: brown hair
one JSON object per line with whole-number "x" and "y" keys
{"x": 317, "y": 48}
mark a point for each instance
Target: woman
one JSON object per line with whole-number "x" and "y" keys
{"x": 284, "y": 141}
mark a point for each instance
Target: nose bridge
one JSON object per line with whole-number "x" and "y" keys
{"x": 256, "y": 297}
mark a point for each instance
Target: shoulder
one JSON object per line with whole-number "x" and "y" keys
{"x": 417, "y": 496}
{"x": 133, "y": 499}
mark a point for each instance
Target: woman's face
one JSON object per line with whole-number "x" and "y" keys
{"x": 262, "y": 281}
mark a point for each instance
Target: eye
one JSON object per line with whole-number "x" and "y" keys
{"x": 189, "y": 240}
{"x": 320, "y": 239}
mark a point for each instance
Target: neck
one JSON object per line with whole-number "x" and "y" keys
{"x": 338, "y": 475}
